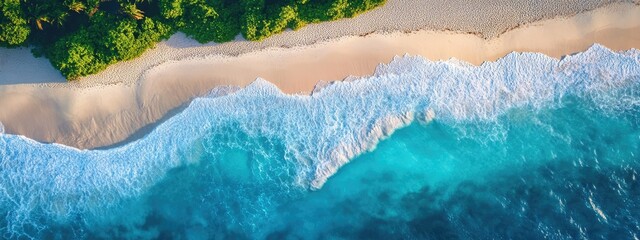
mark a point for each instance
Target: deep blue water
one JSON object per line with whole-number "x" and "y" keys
{"x": 567, "y": 172}
{"x": 526, "y": 148}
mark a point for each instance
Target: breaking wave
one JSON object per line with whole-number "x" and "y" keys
{"x": 315, "y": 135}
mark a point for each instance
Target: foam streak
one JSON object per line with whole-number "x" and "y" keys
{"x": 321, "y": 132}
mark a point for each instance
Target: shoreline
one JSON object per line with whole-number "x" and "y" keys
{"x": 92, "y": 115}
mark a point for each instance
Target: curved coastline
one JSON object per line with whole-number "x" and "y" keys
{"x": 342, "y": 127}
{"x": 92, "y": 115}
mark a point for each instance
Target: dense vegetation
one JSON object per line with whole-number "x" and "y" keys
{"x": 82, "y": 37}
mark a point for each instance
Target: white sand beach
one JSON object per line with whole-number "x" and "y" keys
{"x": 125, "y": 101}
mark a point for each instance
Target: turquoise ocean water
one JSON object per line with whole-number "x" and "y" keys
{"x": 525, "y": 147}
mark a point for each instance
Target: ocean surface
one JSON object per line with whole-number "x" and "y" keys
{"x": 527, "y": 147}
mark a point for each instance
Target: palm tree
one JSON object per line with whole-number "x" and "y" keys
{"x": 46, "y": 13}
{"x": 93, "y": 5}
{"x": 54, "y": 18}
{"x": 59, "y": 18}
{"x": 76, "y": 6}
{"x": 133, "y": 11}
{"x": 40, "y": 20}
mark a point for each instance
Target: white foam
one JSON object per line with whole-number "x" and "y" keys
{"x": 321, "y": 132}
{"x": 222, "y": 91}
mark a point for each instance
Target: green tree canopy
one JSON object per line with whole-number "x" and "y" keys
{"x": 82, "y": 37}
{"x": 13, "y": 25}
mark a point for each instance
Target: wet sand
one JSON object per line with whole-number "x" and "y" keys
{"x": 125, "y": 101}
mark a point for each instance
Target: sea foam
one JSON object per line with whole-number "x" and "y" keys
{"x": 320, "y": 133}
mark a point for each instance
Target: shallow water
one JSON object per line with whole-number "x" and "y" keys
{"x": 527, "y": 147}
{"x": 566, "y": 172}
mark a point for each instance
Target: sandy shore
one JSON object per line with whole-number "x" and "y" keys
{"x": 122, "y": 102}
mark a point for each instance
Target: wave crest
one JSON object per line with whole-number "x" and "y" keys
{"x": 320, "y": 133}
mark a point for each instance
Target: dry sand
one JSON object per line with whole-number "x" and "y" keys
{"x": 116, "y": 105}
